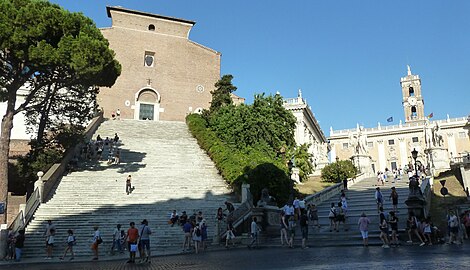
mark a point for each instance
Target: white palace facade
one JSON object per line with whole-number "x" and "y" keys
{"x": 389, "y": 147}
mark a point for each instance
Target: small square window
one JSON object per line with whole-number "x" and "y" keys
{"x": 391, "y": 142}
{"x": 345, "y": 145}
{"x": 462, "y": 134}
{"x": 149, "y": 58}
{"x": 370, "y": 144}
{"x": 415, "y": 139}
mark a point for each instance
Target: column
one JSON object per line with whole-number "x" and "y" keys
{"x": 403, "y": 152}
{"x": 382, "y": 161}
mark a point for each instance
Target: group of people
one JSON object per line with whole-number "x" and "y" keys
{"x": 297, "y": 214}
{"x": 93, "y": 150}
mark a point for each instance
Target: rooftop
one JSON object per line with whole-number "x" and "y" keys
{"x": 119, "y": 8}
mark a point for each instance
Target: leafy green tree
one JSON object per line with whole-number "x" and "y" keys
{"x": 339, "y": 170}
{"x": 302, "y": 161}
{"x": 221, "y": 94}
{"x": 47, "y": 49}
{"x": 246, "y": 140}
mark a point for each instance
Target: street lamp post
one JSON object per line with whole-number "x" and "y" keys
{"x": 338, "y": 167}
{"x": 414, "y": 154}
{"x": 290, "y": 165}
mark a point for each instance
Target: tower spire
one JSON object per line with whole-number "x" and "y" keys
{"x": 409, "y": 70}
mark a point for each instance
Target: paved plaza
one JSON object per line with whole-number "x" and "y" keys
{"x": 407, "y": 257}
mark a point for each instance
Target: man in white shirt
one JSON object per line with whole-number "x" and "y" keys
{"x": 254, "y": 233}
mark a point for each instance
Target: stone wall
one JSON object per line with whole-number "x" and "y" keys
{"x": 14, "y": 206}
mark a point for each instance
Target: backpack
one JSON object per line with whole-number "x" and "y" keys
{"x": 198, "y": 232}
{"x": 99, "y": 240}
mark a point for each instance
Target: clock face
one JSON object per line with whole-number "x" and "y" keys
{"x": 412, "y": 101}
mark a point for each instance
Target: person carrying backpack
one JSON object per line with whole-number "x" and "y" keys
{"x": 197, "y": 237}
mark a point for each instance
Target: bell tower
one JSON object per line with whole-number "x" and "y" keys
{"x": 413, "y": 102}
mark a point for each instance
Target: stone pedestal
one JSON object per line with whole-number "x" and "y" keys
{"x": 416, "y": 205}
{"x": 438, "y": 159}
{"x": 3, "y": 240}
{"x": 363, "y": 163}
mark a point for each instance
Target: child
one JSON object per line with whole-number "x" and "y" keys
{"x": 427, "y": 231}
{"x": 50, "y": 244}
{"x": 70, "y": 243}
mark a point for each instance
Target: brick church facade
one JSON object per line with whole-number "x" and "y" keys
{"x": 164, "y": 75}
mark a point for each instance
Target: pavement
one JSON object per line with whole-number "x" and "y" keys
{"x": 404, "y": 257}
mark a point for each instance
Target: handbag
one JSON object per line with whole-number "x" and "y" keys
{"x": 133, "y": 247}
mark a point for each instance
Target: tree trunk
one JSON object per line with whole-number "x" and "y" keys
{"x": 6, "y": 127}
{"x": 43, "y": 117}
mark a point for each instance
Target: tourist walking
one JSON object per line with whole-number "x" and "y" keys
{"x": 412, "y": 224}
{"x": 71, "y": 241}
{"x": 394, "y": 198}
{"x": 144, "y": 241}
{"x": 427, "y": 231}
{"x": 197, "y": 238}
{"x": 341, "y": 217}
{"x": 116, "y": 239}
{"x": 50, "y": 244}
{"x": 97, "y": 240}
{"x": 393, "y": 221}
{"x": 19, "y": 244}
{"x": 332, "y": 217}
{"x": 291, "y": 226}
{"x": 229, "y": 206}
{"x": 132, "y": 238}
{"x": 304, "y": 228}
{"x": 312, "y": 213}
{"x": 230, "y": 232}
{"x": 254, "y": 233}
{"x": 383, "y": 226}
{"x": 284, "y": 227}
{"x": 129, "y": 184}
{"x": 187, "y": 229}
{"x": 363, "y": 223}
{"x": 453, "y": 225}
{"x": 203, "y": 226}
{"x": 379, "y": 198}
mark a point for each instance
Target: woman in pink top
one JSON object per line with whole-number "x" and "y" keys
{"x": 363, "y": 223}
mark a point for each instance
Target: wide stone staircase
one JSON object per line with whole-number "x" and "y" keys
{"x": 360, "y": 198}
{"x": 169, "y": 172}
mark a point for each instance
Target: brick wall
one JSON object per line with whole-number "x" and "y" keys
{"x": 180, "y": 67}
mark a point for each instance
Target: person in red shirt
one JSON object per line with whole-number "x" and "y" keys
{"x": 132, "y": 238}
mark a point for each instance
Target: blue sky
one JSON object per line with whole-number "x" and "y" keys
{"x": 346, "y": 56}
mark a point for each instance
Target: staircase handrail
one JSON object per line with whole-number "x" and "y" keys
{"x": 327, "y": 193}
{"x": 51, "y": 177}
{"x": 55, "y": 173}
{"x": 18, "y": 223}
{"x": 239, "y": 216}
{"x": 32, "y": 204}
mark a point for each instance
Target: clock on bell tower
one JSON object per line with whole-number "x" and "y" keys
{"x": 413, "y": 102}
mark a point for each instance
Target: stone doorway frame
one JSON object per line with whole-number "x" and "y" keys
{"x": 156, "y": 109}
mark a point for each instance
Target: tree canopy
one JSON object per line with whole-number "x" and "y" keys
{"x": 56, "y": 55}
{"x": 245, "y": 141}
{"x": 339, "y": 170}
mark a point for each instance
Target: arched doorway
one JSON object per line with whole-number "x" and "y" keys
{"x": 147, "y": 104}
